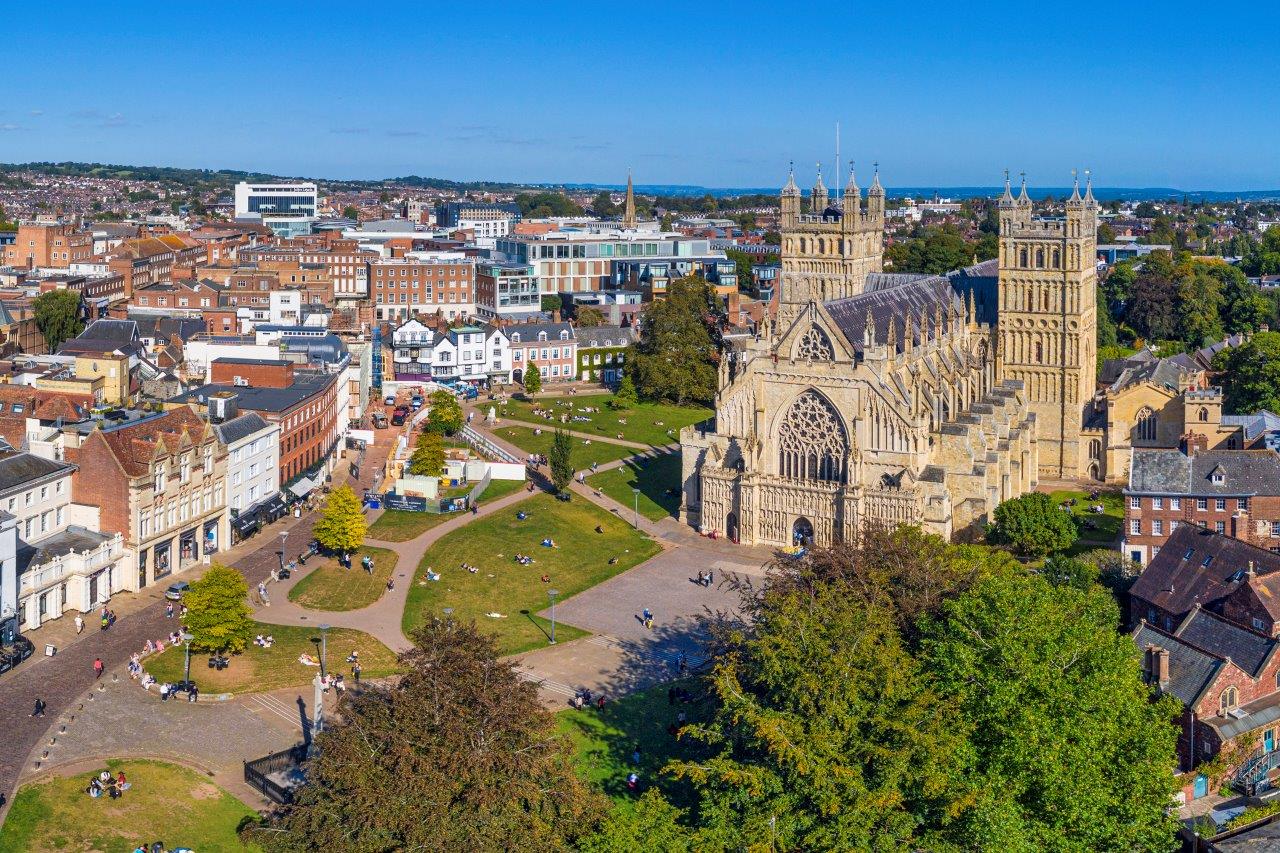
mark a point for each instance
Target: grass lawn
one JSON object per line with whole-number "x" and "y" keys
{"x": 258, "y": 670}
{"x": 604, "y": 740}
{"x": 396, "y": 525}
{"x": 328, "y": 586}
{"x": 641, "y": 420}
{"x": 583, "y": 454}
{"x": 652, "y": 477}
{"x": 1109, "y": 522}
{"x": 502, "y": 585}
{"x": 166, "y": 803}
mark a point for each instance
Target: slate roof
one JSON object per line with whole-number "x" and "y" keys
{"x": 1164, "y": 372}
{"x": 72, "y": 538}
{"x": 906, "y": 299}
{"x": 134, "y": 445}
{"x": 1255, "y": 424}
{"x": 1177, "y": 578}
{"x": 1191, "y": 669}
{"x": 20, "y": 469}
{"x": 595, "y": 336}
{"x": 1247, "y": 649}
{"x": 306, "y": 384}
{"x": 116, "y": 331}
{"x": 1113, "y": 367}
{"x": 1172, "y": 472}
{"x": 529, "y": 331}
{"x": 240, "y": 427}
{"x": 1205, "y": 355}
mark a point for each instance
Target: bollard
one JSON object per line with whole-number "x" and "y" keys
{"x": 62, "y": 729}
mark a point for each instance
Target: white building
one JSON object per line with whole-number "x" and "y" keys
{"x": 288, "y": 209}
{"x": 467, "y": 353}
{"x": 253, "y": 459}
{"x": 76, "y": 569}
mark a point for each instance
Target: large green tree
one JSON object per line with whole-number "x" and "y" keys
{"x": 58, "y": 315}
{"x": 218, "y": 614}
{"x": 342, "y": 525}
{"x": 560, "y": 459}
{"x": 1033, "y": 525}
{"x": 675, "y": 359}
{"x": 428, "y": 456}
{"x": 589, "y": 315}
{"x": 1065, "y": 749}
{"x": 1250, "y": 374}
{"x": 938, "y": 250}
{"x": 532, "y": 378}
{"x": 445, "y": 415}
{"x": 458, "y": 754}
{"x": 602, "y": 204}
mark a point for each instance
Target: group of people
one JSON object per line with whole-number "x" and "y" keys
{"x": 169, "y": 610}
{"x": 582, "y": 699}
{"x": 524, "y": 559}
{"x": 264, "y": 642}
{"x": 646, "y": 618}
{"x": 106, "y": 619}
{"x": 158, "y": 847}
{"x": 535, "y": 459}
{"x": 105, "y": 783}
{"x": 336, "y": 681}
{"x": 470, "y": 568}
{"x": 705, "y": 578}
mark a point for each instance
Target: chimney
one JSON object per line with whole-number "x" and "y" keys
{"x": 1162, "y": 665}
{"x": 1193, "y": 443}
{"x": 1240, "y": 529}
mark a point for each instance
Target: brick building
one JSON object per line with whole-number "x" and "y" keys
{"x": 48, "y": 244}
{"x": 424, "y": 283}
{"x": 551, "y": 346}
{"x": 1207, "y": 621}
{"x": 1235, "y": 492}
{"x": 161, "y": 481}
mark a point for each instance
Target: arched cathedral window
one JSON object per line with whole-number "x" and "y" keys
{"x": 1146, "y": 424}
{"x": 811, "y": 441}
{"x": 1204, "y": 416}
{"x": 1039, "y": 353}
{"x": 1022, "y": 258}
{"x": 1039, "y": 258}
{"x": 815, "y": 346}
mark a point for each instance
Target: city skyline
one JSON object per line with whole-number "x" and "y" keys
{"x": 575, "y": 94}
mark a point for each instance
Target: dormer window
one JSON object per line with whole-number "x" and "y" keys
{"x": 564, "y": 335}
{"x": 1218, "y": 477}
{"x": 542, "y": 336}
{"x": 159, "y": 478}
{"x": 515, "y": 337}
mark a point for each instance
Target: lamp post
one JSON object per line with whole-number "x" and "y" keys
{"x": 636, "y": 492}
{"x": 284, "y": 541}
{"x": 186, "y": 639}
{"x": 552, "y": 593}
{"x": 324, "y": 648}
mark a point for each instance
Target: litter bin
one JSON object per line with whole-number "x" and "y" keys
{"x": 50, "y": 650}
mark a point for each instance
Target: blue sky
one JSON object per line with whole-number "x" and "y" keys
{"x": 718, "y": 94}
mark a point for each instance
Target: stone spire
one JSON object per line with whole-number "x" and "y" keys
{"x": 907, "y": 334}
{"x": 852, "y": 195}
{"x": 1006, "y": 200}
{"x": 876, "y": 189}
{"x": 1075, "y": 200}
{"x": 818, "y": 201}
{"x": 791, "y": 188}
{"x": 629, "y": 214}
{"x": 869, "y": 331}
{"x": 1089, "y": 200}
{"x": 891, "y": 345}
{"x": 972, "y": 310}
{"x": 937, "y": 323}
{"x": 1024, "y": 200}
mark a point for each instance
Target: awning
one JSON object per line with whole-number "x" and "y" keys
{"x": 303, "y": 487}
{"x": 246, "y": 521}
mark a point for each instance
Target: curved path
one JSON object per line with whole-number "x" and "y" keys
{"x": 515, "y": 422}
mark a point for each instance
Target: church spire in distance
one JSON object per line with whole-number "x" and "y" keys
{"x": 1006, "y": 200}
{"x": 629, "y": 214}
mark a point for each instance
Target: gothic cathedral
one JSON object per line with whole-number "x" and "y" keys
{"x": 899, "y": 397}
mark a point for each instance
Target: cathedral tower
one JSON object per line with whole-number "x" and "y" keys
{"x": 828, "y": 252}
{"x": 1047, "y": 319}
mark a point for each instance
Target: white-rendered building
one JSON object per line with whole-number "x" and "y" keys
{"x": 288, "y": 209}
{"x": 253, "y": 456}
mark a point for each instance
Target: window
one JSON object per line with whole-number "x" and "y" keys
{"x": 159, "y": 480}
{"x": 1135, "y": 502}
{"x": 28, "y": 498}
{"x": 184, "y": 470}
{"x": 1157, "y": 528}
{"x": 1259, "y": 625}
{"x": 1146, "y": 425}
{"x": 1173, "y": 525}
{"x": 1275, "y": 530}
{"x": 1230, "y": 698}
{"x": 1135, "y": 527}
{"x": 1220, "y": 504}
{"x": 1190, "y": 553}
{"x": 1220, "y": 527}
{"x": 1202, "y": 504}
{"x": 1242, "y": 504}
{"x": 1157, "y": 503}
{"x": 1175, "y": 503}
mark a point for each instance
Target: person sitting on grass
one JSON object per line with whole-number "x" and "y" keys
{"x": 432, "y": 576}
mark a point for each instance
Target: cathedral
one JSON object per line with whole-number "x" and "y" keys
{"x": 899, "y": 397}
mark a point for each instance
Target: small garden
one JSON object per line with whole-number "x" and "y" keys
{"x": 326, "y": 585}
{"x": 647, "y": 423}
{"x": 164, "y": 802}
{"x": 502, "y": 596}
{"x": 258, "y": 669}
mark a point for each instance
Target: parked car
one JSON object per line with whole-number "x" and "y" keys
{"x": 176, "y": 590}
{"x": 416, "y": 402}
{"x": 398, "y": 417}
{"x": 391, "y": 400}
{"x": 379, "y": 420}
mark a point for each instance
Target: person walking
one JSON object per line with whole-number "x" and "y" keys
{"x": 355, "y": 672}
{"x": 79, "y": 623}
{"x": 98, "y": 667}
{"x": 168, "y": 610}
{"x": 39, "y": 709}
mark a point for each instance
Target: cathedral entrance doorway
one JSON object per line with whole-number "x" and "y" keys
{"x": 731, "y": 526}
{"x": 802, "y": 532}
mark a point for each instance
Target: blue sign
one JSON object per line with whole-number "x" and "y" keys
{"x": 404, "y": 503}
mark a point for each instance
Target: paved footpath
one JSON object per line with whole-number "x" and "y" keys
{"x": 61, "y": 681}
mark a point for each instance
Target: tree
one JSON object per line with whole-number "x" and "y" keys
{"x": 428, "y": 456}
{"x": 602, "y": 204}
{"x": 1066, "y": 750}
{"x": 551, "y": 302}
{"x": 625, "y": 397}
{"x": 58, "y": 316}
{"x": 445, "y": 414}
{"x": 342, "y": 526}
{"x": 1106, "y": 234}
{"x": 1120, "y": 278}
{"x": 532, "y": 378}
{"x": 1251, "y": 374}
{"x": 674, "y": 360}
{"x": 218, "y": 613}
{"x": 1245, "y": 309}
{"x": 938, "y": 250}
{"x": 350, "y": 212}
{"x": 458, "y": 755}
{"x": 589, "y": 315}
{"x": 1033, "y": 525}
{"x": 1150, "y": 310}
{"x": 1199, "y": 310}
{"x": 560, "y": 459}
{"x": 1107, "y": 336}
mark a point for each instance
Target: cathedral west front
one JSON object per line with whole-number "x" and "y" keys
{"x": 898, "y": 397}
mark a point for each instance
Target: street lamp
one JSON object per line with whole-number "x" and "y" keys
{"x": 552, "y": 593}
{"x": 284, "y": 541}
{"x": 324, "y": 648}
{"x": 636, "y": 492}
{"x": 186, "y": 639}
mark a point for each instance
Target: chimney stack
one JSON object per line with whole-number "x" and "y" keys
{"x": 1162, "y": 665}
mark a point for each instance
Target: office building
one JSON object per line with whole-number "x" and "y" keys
{"x": 288, "y": 209}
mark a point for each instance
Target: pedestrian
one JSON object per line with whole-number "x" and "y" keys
{"x": 600, "y": 704}
{"x": 79, "y": 623}
{"x": 168, "y": 610}
{"x": 193, "y": 692}
{"x": 711, "y": 577}
{"x": 633, "y": 781}
{"x": 475, "y": 509}
{"x": 183, "y": 613}
{"x": 391, "y": 584}
{"x": 105, "y": 623}
{"x": 98, "y": 667}
{"x": 39, "y": 709}
{"x": 355, "y": 672}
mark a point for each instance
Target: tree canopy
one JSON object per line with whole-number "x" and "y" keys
{"x": 900, "y": 693}
{"x": 546, "y": 204}
{"x": 560, "y": 459}
{"x": 675, "y": 359}
{"x": 1033, "y": 525}
{"x": 428, "y": 456}
{"x": 1251, "y": 374}
{"x": 218, "y": 614}
{"x": 458, "y": 755}
{"x": 939, "y": 250}
{"x": 532, "y": 378}
{"x": 342, "y": 526}
{"x": 58, "y": 316}
{"x": 445, "y": 415}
